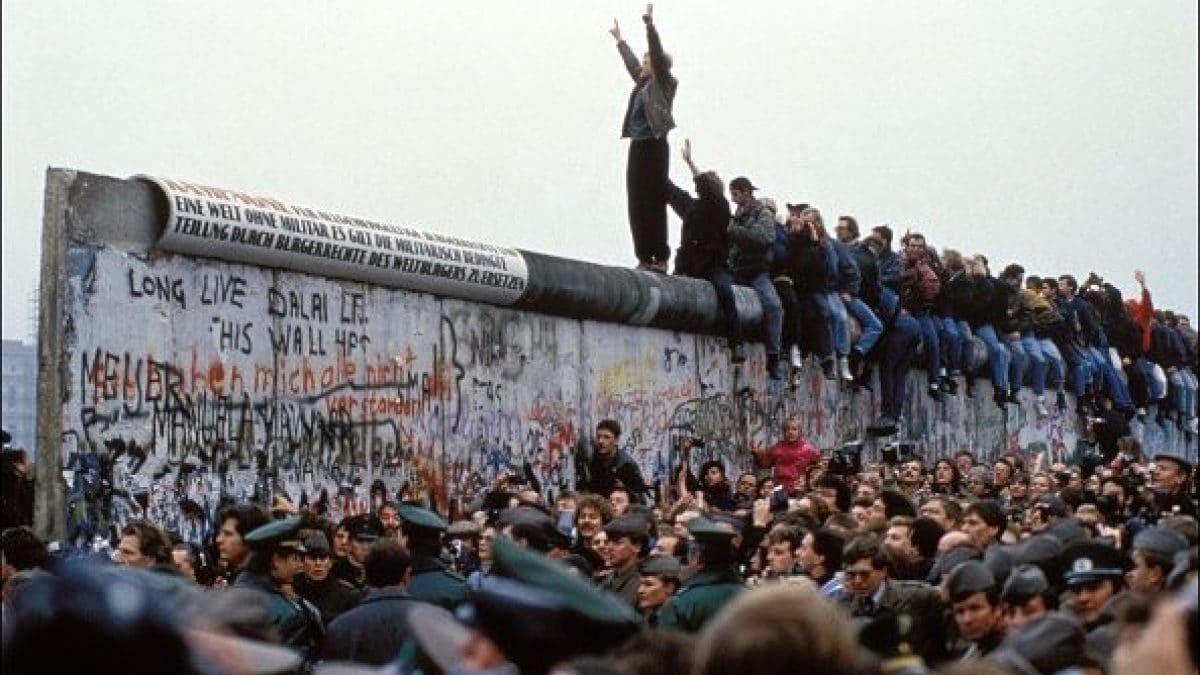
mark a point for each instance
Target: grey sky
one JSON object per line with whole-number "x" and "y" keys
{"x": 1059, "y": 134}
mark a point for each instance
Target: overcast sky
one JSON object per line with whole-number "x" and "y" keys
{"x": 1059, "y": 134}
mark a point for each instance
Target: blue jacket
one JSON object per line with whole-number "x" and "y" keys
{"x": 890, "y": 269}
{"x": 849, "y": 279}
{"x": 374, "y": 631}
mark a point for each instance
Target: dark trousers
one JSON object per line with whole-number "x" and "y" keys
{"x": 722, "y": 281}
{"x": 900, "y": 346}
{"x": 646, "y": 186}
{"x": 813, "y": 318}
{"x": 791, "y": 313}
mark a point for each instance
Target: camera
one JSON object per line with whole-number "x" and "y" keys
{"x": 847, "y": 460}
{"x": 894, "y": 453}
{"x": 696, "y": 442}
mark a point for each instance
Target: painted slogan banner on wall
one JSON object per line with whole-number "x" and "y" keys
{"x": 241, "y": 227}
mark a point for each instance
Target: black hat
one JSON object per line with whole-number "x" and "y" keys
{"x": 1048, "y": 644}
{"x": 534, "y": 526}
{"x": 1090, "y": 561}
{"x": 421, "y": 518}
{"x": 277, "y": 534}
{"x": 661, "y": 566}
{"x": 1054, "y": 506}
{"x": 1040, "y": 549}
{"x": 364, "y": 527}
{"x": 742, "y": 183}
{"x": 797, "y": 207}
{"x": 708, "y": 531}
{"x": 969, "y": 578}
{"x": 999, "y": 561}
{"x": 1068, "y": 531}
{"x": 634, "y": 527}
{"x": 317, "y": 544}
{"x": 1160, "y": 541}
{"x": 1025, "y": 582}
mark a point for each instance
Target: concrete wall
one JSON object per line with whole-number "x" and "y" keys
{"x": 185, "y": 381}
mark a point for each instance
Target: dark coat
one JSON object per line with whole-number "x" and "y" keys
{"x": 849, "y": 279}
{"x": 332, "y": 597}
{"x": 624, "y": 584}
{"x": 868, "y": 273}
{"x": 703, "y": 243}
{"x": 431, "y": 582}
{"x": 298, "y": 622}
{"x": 890, "y": 267}
{"x": 918, "y": 600}
{"x": 658, "y": 89}
{"x": 603, "y": 474}
{"x": 813, "y": 265}
{"x": 374, "y": 631}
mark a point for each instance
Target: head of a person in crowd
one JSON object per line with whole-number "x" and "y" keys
{"x": 864, "y": 565}
{"x": 1049, "y": 288}
{"x": 897, "y": 538}
{"x": 975, "y": 600}
{"x": 1027, "y": 595}
{"x": 599, "y": 544}
{"x": 317, "y": 557}
{"x": 874, "y": 244}
{"x": 619, "y": 498}
{"x": 235, "y": 522}
{"x": 791, "y": 430}
{"x": 389, "y": 517}
{"x": 862, "y": 508}
{"x": 946, "y": 476}
{"x": 1002, "y": 473}
{"x": 388, "y": 564}
{"x": 895, "y": 504}
{"x": 912, "y": 473}
{"x": 927, "y": 533}
{"x": 953, "y": 539}
{"x": 964, "y": 459}
{"x": 186, "y": 559}
{"x": 709, "y": 186}
{"x": 1153, "y": 557}
{"x": 1067, "y": 286}
{"x": 712, "y": 475}
{"x": 667, "y": 544}
{"x": 143, "y": 545}
{"x": 593, "y": 513}
{"x": 658, "y": 582}
{"x": 773, "y": 625}
{"x": 747, "y": 486}
{"x": 1033, "y": 283}
{"x": 943, "y": 510}
{"x": 884, "y": 234}
{"x": 1041, "y": 485}
{"x": 820, "y": 553}
{"x": 979, "y": 482}
{"x": 20, "y": 550}
{"x": 833, "y": 491}
{"x": 364, "y": 530}
{"x": 1013, "y": 275}
{"x": 565, "y": 502}
{"x": 626, "y": 538}
{"x": 1093, "y": 573}
{"x": 608, "y": 432}
{"x": 1018, "y": 488}
{"x": 865, "y": 490}
{"x": 952, "y": 259}
{"x": 276, "y": 550}
{"x": 974, "y": 267}
{"x": 812, "y": 219}
{"x": 741, "y": 191}
{"x": 983, "y": 521}
{"x": 847, "y": 229}
{"x": 914, "y": 247}
{"x": 341, "y": 540}
{"x": 1170, "y": 474}
{"x": 782, "y": 545}
{"x": 765, "y": 485}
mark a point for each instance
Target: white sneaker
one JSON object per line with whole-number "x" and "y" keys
{"x": 794, "y": 357}
{"x": 844, "y": 369}
{"x": 1040, "y": 407}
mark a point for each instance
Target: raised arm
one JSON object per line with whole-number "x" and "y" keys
{"x": 631, "y": 62}
{"x": 687, "y": 157}
{"x": 658, "y": 57}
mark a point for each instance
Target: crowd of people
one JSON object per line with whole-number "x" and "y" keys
{"x": 815, "y": 561}
{"x": 912, "y": 306}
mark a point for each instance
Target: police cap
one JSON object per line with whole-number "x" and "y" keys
{"x": 277, "y": 534}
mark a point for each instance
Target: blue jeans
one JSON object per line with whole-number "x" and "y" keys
{"x": 1081, "y": 370}
{"x": 772, "y": 308}
{"x": 900, "y": 345}
{"x": 998, "y": 356}
{"x": 1143, "y": 364}
{"x": 1056, "y": 368}
{"x": 839, "y": 325}
{"x": 1184, "y": 384}
{"x": 1037, "y": 363}
{"x": 952, "y": 343}
{"x": 1106, "y": 373}
{"x": 1018, "y": 364}
{"x": 871, "y": 326}
{"x": 968, "y": 347}
{"x": 932, "y": 346}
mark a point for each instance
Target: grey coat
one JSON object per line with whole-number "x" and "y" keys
{"x": 658, "y": 90}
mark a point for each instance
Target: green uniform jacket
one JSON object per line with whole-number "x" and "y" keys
{"x": 298, "y": 622}
{"x": 433, "y": 583}
{"x": 624, "y": 584}
{"x": 700, "y": 598}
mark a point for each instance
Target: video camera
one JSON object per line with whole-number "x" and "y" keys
{"x": 900, "y": 451}
{"x": 847, "y": 460}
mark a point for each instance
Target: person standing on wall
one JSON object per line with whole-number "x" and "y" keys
{"x": 646, "y": 123}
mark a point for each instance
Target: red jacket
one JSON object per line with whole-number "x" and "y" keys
{"x": 1142, "y": 313}
{"x": 790, "y": 460}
